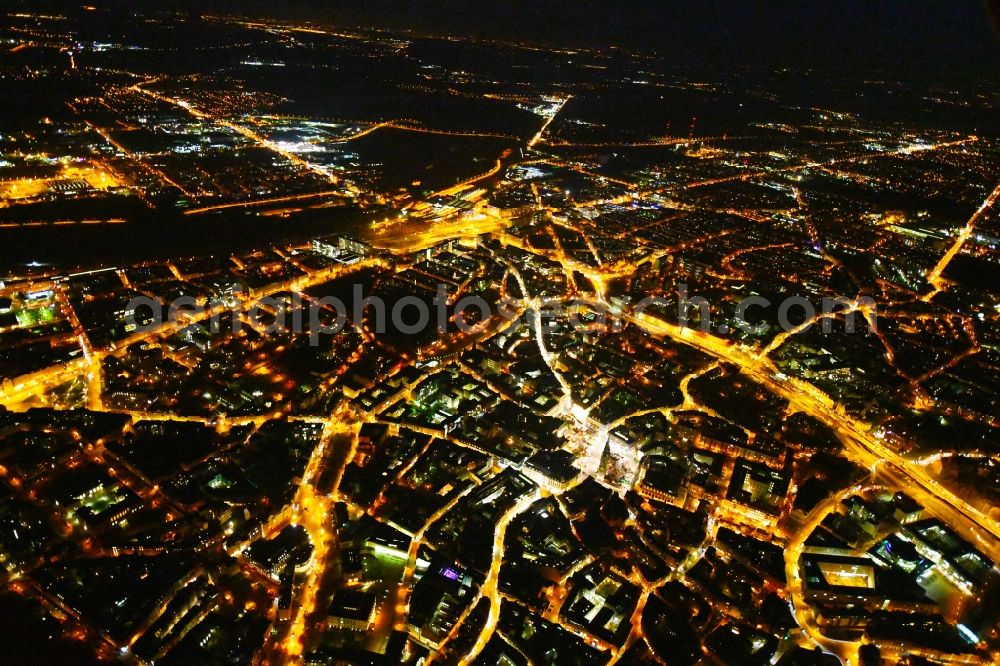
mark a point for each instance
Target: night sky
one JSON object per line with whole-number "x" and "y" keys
{"x": 933, "y": 38}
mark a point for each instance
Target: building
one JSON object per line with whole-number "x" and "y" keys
{"x": 352, "y": 610}
{"x": 661, "y": 478}
{"x": 335, "y": 247}
{"x": 842, "y": 581}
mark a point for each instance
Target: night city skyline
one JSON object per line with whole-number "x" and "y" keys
{"x": 468, "y": 333}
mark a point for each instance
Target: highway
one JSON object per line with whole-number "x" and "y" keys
{"x": 903, "y": 150}
{"x": 934, "y": 276}
{"x": 552, "y": 116}
{"x": 265, "y": 202}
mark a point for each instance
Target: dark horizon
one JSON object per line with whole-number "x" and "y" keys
{"x": 932, "y": 40}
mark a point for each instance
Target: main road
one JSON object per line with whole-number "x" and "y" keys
{"x": 860, "y": 443}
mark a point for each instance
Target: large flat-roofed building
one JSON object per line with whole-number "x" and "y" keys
{"x": 353, "y": 610}
{"x": 843, "y": 580}
{"x": 336, "y": 247}
{"x": 662, "y": 478}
